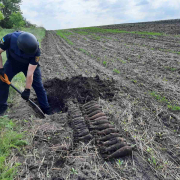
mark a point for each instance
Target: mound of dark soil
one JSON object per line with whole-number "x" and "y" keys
{"x": 83, "y": 89}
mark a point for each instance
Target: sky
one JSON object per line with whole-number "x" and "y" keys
{"x": 65, "y": 14}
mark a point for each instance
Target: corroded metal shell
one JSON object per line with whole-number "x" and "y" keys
{"x": 97, "y": 116}
{"x": 108, "y": 138}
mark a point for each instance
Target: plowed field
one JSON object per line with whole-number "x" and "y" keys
{"x": 134, "y": 77}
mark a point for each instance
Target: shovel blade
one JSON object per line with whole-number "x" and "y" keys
{"x": 37, "y": 109}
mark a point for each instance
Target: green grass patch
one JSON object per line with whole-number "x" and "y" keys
{"x": 9, "y": 139}
{"x": 96, "y": 37}
{"x": 19, "y": 82}
{"x": 163, "y": 99}
{"x": 105, "y": 63}
{"x": 174, "y": 107}
{"x": 124, "y": 62}
{"x": 3, "y": 32}
{"x": 81, "y": 32}
{"x": 63, "y": 34}
{"x": 104, "y": 31}
{"x": 66, "y": 33}
{"x": 98, "y": 59}
{"x": 84, "y": 51}
{"x": 116, "y": 71}
{"x": 108, "y": 38}
{"x": 170, "y": 68}
{"x": 159, "y": 97}
{"x": 134, "y": 81}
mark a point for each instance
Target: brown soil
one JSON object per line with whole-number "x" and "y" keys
{"x": 81, "y": 88}
{"x": 146, "y": 64}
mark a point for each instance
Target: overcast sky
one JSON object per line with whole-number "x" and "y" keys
{"x": 64, "y": 14}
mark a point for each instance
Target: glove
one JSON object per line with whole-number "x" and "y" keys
{"x": 25, "y": 94}
{"x": 2, "y": 72}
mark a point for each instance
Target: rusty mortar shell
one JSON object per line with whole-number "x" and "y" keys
{"x": 89, "y": 103}
{"x": 80, "y": 128}
{"x": 94, "y": 113}
{"x": 124, "y": 151}
{"x": 108, "y": 137}
{"x": 92, "y": 110}
{"x": 74, "y": 115}
{"x": 99, "y": 119}
{"x": 86, "y": 137}
{"x": 81, "y": 133}
{"x": 102, "y": 126}
{"x": 93, "y": 105}
{"x": 72, "y": 109}
{"x": 78, "y": 125}
{"x": 95, "y": 123}
{"x": 112, "y": 141}
{"x": 112, "y": 148}
{"x": 71, "y": 113}
{"x": 108, "y": 131}
{"x": 97, "y": 116}
{"x": 74, "y": 123}
{"x": 78, "y": 122}
{"x": 78, "y": 119}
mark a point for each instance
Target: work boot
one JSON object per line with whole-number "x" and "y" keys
{"x": 3, "y": 109}
{"x": 47, "y": 111}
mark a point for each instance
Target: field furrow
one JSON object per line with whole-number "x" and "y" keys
{"x": 131, "y": 78}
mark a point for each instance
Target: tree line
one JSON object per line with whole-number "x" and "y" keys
{"x": 11, "y": 15}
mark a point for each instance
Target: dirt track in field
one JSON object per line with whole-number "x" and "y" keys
{"x": 146, "y": 64}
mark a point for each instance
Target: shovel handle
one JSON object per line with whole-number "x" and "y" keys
{"x": 16, "y": 89}
{"x": 5, "y": 79}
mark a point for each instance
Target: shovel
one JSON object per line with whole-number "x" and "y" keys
{"x": 34, "y": 106}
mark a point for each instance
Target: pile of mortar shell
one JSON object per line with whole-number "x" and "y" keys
{"x": 108, "y": 139}
{"x": 77, "y": 123}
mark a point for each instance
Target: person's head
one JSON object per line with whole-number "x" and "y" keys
{"x": 27, "y": 43}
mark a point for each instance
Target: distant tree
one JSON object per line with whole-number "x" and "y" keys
{"x": 17, "y": 20}
{"x": 1, "y": 14}
{"x": 28, "y": 24}
{"x": 10, "y": 6}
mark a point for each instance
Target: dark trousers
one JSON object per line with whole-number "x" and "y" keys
{"x": 11, "y": 69}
